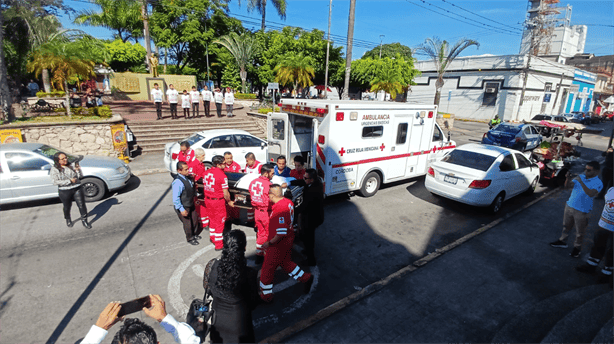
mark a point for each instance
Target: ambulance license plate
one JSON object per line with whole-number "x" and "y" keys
{"x": 450, "y": 179}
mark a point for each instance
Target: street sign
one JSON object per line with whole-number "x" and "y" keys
{"x": 273, "y": 86}
{"x": 547, "y": 97}
{"x": 449, "y": 95}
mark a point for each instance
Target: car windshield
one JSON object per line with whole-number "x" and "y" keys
{"x": 193, "y": 139}
{"x": 507, "y": 128}
{"x": 48, "y": 151}
{"x": 469, "y": 159}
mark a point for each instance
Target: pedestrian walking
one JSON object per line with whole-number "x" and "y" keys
{"x": 259, "y": 193}
{"x": 229, "y": 100}
{"x": 195, "y": 97}
{"x": 230, "y": 164}
{"x": 33, "y": 88}
{"x": 172, "y": 96}
{"x": 299, "y": 168}
{"x": 279, "y": 244}
{"x": 607, "y": 171}
{"x": 585, "y": 187}
{"x": 183, "y": 200}
{"x": 602, "y": 242}
{"x": 156, "y": 95}
{"x": 219, "y": 98}
{"x": 67, "y": 178}
{"x": 185, "y": 104}
{"x": 310, "y": 212}
{"x": 216, "y": 197}
{"x": 230, "y": 282}
{"x": 251, "y": 164}
{"x": 207, "y": 98}
{"x": 281, "y": 169}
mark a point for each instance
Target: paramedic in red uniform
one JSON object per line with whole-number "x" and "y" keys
{"x": 216, "y": 196}
{"x": 185, "y": 154}
{"x": 259, "y": 193}
{"x": 279, "y": 246}
{"x": 299, "y": 168}
{"x": 197, "y": 173}
{"x": 251, "y": 164}
{"x": 231, "y": 165}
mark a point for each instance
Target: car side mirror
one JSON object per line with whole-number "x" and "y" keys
{"x": 46, "y": 167}
{"x": 262, "y": 145}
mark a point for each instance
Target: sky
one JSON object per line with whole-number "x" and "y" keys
{"x": 410, "y": 22}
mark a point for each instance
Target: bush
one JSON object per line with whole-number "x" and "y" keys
{"x": 245, "y": 96}
{"x": 100, "y": 111}
{"x": 58, "y": 94}
{"x": 267, "y": 110}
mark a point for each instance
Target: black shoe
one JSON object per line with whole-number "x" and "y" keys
{"x": 575, "y": 253}
{"x": 198, "y": 237}
{"x": 259, "y": 260}
{"x": 69, "y": 223}
{"x": 157, "y": 119}
{"x": 193, "y": 242}
{"x": 559, "y": 243}
{"x": 86, "y": 224}
{"x": 308, "y": 285}
{"x": 218, "y": 249}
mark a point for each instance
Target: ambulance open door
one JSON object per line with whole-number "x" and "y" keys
{"x": 277, "y": 134}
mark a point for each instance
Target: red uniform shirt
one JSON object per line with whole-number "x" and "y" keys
{"x": 255, "y": 168}
{"x": 298, "y": 174}
{"x": 215, "y": 182}
{"x": 281, "y": 219}
{"x": 234, "y": 167}
{"x": 197, "y": 169}
{"x": 188, "y": 156}
{"x": 259, "y": 192}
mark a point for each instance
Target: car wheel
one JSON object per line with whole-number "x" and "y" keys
{"x": 533, "y": 186}
{"x": 497, "y": 203}
{"x": 208, "y": 165}
{"x": 370, "y": 185}
{"x": 93, "y": 189}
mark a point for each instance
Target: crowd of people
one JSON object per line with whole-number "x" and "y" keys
{"x": 190, "y": 100}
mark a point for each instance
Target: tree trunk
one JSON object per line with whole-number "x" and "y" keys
{"x": 243, "y": 74}
{"x": 146, "y": 34}
{"x": 348, "y": 57}
{"x": 68, "y": 112}
{"x": 438, "y": 86}
{"x": 437, "y": 97}
{"x": 6, "y": 100}
{"x": 262, "y": 26}
{"x": 46, "y": 81}
{"x": 295, "y": 89}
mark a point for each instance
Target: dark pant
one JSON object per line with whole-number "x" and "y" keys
{"x": 186, "y": 112}
{"x": 173, "y": 110}
{"x": 218, "y": 107}
{"x": 191, "y": 224}
{"x": 195, "y": 111}
{"x": 606, "y": 178}
{"x": 207, "y": 105}
{"x": 308, "y": 236}
{"x": 159, "y": 109}
{"x": 603, "y": 245}
{"x": 67, "y": 196}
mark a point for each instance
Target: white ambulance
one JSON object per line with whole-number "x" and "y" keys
{"x": 357, "y": 145}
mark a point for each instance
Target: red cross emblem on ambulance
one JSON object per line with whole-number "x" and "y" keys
{"x": 341, "y": 151}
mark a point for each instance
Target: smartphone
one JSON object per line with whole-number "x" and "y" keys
{"x": 134, "y": 306}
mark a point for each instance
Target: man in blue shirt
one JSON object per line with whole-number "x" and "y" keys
{"x": 183, "y": 200}
{"x": 577, "y": 210}
{"x": 281, "y": 169}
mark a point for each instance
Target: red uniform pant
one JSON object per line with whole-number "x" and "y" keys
{"x": 216, "y": 210}
{"x": 201, "y": 211}
{"x": 276, "y": 255}
{"x": 261, "y": 217}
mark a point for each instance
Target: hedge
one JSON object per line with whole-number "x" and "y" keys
{"x": 245, "y": 96}
{"x": 42, "y": 94}
{"x": 100, "y": 111}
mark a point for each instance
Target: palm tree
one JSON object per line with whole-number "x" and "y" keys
{"x": 122, "y": 16}
{"x": 388, "y": 82}
{"x": 260, "y": 6}
{"x": 442, "y": 55}
{"x": 296, "y": 70}
{"x": 244, "y": 49}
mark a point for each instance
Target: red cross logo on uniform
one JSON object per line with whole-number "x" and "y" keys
{"x": 382, "y": 147}
{"x": 257, "y": 189}
{"x": 341, "y": 151}
{"x": 209, "y": 181}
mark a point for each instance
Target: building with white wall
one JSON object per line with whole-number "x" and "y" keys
{"x": 565, "y": 42}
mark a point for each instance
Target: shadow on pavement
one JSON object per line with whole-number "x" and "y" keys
{"x": 101, "y": 209}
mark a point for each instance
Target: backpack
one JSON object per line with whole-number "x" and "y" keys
{"x": 200, "y": 315}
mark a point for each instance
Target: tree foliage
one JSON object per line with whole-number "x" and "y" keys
{"x": 367, "y": 71}
{"x": 244, "y": 48}
{"x": 260, "y": 7}
{"x": 123, "y": 56}
{"x": 122, "y": 16}
{"x": 295, "y": 69}
{"x": 390, "y": 50}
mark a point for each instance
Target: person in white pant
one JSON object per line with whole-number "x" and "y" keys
{"x": 135, "y": 329}
{"x": 229, "y": 100}
{"x": 207, "y": 98}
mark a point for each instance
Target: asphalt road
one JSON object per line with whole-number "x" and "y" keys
{"x": 61, "y": 278}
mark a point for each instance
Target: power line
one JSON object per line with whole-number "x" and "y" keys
{"x": 481, "y": 16}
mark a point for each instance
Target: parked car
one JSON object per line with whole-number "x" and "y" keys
{"x": 25, "y": 176}
{"x": 581, "y": 117}
{"x": 544, "y": 117}
{"x": 216, "y": 142}
{"x": 482, "y": 175}
{"x": 516, "y": 136}
{"x": 595, "y": 118}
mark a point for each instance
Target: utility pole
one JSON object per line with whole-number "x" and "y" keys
{"x": 330, "y": 12}
{"x": 146, "y": 32}
{"x": 380, "y": 45}
{"x": 558, "y": 90}
{"x": 348, "y": 57}
{"x": 526, "y": 75}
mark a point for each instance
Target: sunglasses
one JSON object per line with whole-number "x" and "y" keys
{"x": 588, "y": 169}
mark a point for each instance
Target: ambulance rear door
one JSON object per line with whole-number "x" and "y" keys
{"x": 416, "y": 162}
{"x": 399, "y": 146}
{"x": 277, "y": 135}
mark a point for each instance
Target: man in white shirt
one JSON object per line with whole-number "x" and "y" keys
{"x": 207, "y": 98}
{"x": 195, "y": 95}
{"x": 136, "y": 329}
{"x": 156, "y": 95}
{"x": 219, "y": 99}
{"x": 172, "y": 97}
{"x": 229, "y": 100}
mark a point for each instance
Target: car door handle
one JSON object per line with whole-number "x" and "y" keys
{"x": 15, "y": 177}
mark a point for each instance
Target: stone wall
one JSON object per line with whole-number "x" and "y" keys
{"x": 138, "y": 86}
{"x": 260, "y": 120}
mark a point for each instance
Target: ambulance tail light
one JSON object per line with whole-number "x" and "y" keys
{"x": 430, "y": 114}
{"x": 321, "y": 111}
{"x": 479, "y": 184}
{"x": 321, "y": 139}
{"x": 340, "y": 116}
{"x": 280, "y": 105}
{"x": 431, "y": 172}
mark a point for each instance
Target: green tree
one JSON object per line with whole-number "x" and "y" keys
{"x": 389, "y": 50}
{"x": 260, "y": 6}
{"x": 244, "y": 48}
{"x": 295, "y": 69}
{"x": 388, "y": 81}
{"x": 122, "y": 16}
{"x": 230, "y": 78}
{"x": 442, "y": 55}
{"x": 124, "y": 56}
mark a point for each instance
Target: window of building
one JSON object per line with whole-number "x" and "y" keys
{"x": 548, "y": 87}
{"x": 372, "y": 132}
{"x": 490, "y": 94}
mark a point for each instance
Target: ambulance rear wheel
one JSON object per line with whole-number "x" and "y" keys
{"x": 370, "y": 185}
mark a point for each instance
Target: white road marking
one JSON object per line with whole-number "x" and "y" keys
{"x": 198, "y": 270}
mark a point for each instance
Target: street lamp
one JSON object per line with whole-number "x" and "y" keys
{"x": 380, "y": 45}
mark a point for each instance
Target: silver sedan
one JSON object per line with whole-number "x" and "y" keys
{"x": 24, "y": 173}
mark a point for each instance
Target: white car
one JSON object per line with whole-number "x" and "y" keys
{"x": 217, "y": 142}
{"x": 482, "y": 175}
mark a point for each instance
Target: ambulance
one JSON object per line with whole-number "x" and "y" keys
{"x": 357, "y": 145}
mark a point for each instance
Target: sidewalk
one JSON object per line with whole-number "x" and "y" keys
{"x": 476, "y": 291}
{"x": 148, "y": 164}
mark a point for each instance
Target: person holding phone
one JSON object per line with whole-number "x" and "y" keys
{"x": 134, "y": 330}
{"x": 67, "y": 178}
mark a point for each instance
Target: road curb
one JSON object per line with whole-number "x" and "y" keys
{"x": 151, "y": 171}
{"x": 379, "y": 285}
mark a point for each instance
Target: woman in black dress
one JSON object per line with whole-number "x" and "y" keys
{"x": 234, "y": 296}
